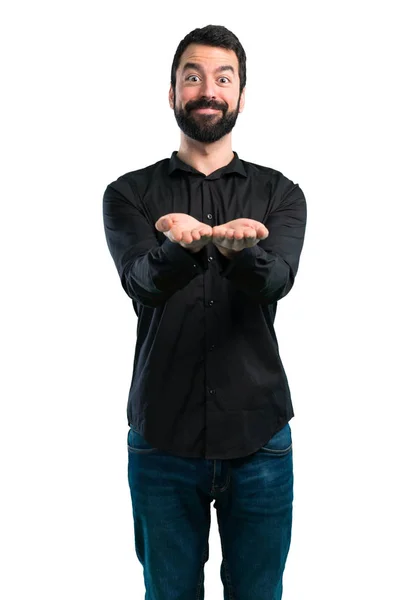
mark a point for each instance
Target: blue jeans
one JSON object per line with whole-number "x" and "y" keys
{"x": 171, "y": 498}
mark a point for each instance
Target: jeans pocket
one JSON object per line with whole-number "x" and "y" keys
{"x": 137, "y": 444}
{"x": 280, "y": 444}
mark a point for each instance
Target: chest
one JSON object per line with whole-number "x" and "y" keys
{"x": 213, "y": 202}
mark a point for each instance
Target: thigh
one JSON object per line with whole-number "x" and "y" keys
{"x": 171, "y": 521}
{"x": 255, "y": 520}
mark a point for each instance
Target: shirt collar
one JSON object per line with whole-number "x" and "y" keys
{"x": 235, "y": 166}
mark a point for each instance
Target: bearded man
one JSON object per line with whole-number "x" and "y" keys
{"x": 205, "y": 245}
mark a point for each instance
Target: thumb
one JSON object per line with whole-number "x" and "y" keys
{"x": 163, "y": 224}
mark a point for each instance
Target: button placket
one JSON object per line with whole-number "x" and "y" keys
{"x": 209, "y": 288}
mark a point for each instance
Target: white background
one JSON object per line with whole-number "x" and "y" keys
{"x": 84, "y": 101}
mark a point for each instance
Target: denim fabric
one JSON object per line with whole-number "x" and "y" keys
{"x": 171, "y": 499}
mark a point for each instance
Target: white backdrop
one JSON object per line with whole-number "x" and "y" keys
{"x": 84, "y": 101}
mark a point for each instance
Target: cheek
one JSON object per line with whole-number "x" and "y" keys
{"x": 185, "y": 96}
{"x": 234, "y": 103}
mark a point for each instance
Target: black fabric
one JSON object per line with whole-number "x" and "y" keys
{"x": 207, "y": 377}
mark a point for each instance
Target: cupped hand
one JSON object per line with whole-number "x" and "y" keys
{"x": 239, "y": 234}
{"x": 185, "y": 230}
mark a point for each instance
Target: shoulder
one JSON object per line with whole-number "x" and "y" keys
{"x": 281, "y": 190}
{"x": 277, "y": 182}
{"x": 140, "y": 178}
{"x": 132, "y": 186}
{"x": 264, "y": 172}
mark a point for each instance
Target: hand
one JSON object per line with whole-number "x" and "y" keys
{"x": 238, "y": 234}
{"x": 185, "y": 230}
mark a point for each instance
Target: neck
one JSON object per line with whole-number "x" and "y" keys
{"x": 206, "y": 158}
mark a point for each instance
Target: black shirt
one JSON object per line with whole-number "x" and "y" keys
{"x": 207, "y": 378}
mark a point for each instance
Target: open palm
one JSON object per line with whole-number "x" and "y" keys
{"x": 185, "y": 230}
{"x": 239, "y": 234}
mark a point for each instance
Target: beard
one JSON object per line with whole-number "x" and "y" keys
{"x": 206, "y": 128}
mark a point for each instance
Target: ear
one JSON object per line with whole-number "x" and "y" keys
{"x": 171, "y": 97}
{"x": 242, "y": 99}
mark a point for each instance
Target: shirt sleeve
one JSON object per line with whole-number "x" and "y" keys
{"x": 267, "y": 270}
{"x": 150, "y": 272}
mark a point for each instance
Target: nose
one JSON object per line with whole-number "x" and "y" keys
{"x": 208, "y": 88}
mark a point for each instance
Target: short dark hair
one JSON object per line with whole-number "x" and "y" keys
{"x": 212, "y": 35}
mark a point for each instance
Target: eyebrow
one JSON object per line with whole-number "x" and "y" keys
{"x": 198, "y": 67}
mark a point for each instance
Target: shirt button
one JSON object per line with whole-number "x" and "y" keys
{"x": 209, "y": 216}
{"x": 210, "y": 258}
{"x": 212, "y": 391}
{"x": 212, "y": 348}
{"x": 211, "y": 302}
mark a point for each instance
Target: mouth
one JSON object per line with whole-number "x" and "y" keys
{"x": 206, "y": 111}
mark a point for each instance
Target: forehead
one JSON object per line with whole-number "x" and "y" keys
{"x": 209, "y": 57}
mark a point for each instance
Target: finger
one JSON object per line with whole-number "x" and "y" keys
{"x": 205, "y": 231}
{"x": 262, "y": 233}
{"x": 196, "y": 235}
{"x": 249, "y": 232}
{"x": 187, "y": 237}
{"x": 219, "y": 232}
{"x": 251, "y": 241}
{"x": 177, "y": 233}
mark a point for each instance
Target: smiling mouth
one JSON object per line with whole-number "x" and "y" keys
{"x": 206, "y": 110}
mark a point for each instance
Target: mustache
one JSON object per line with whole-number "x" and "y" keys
{"x": 205, "y": 104}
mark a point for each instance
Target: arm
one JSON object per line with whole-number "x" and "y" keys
{"x": 267, "y": 270}
{"x": 150, "y": 273}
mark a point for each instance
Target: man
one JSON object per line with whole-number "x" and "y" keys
{"x": 205, "y": 245}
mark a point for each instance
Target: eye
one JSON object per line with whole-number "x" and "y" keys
{"x": 226, "y": 79}
{"x": 191, "y": 76}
